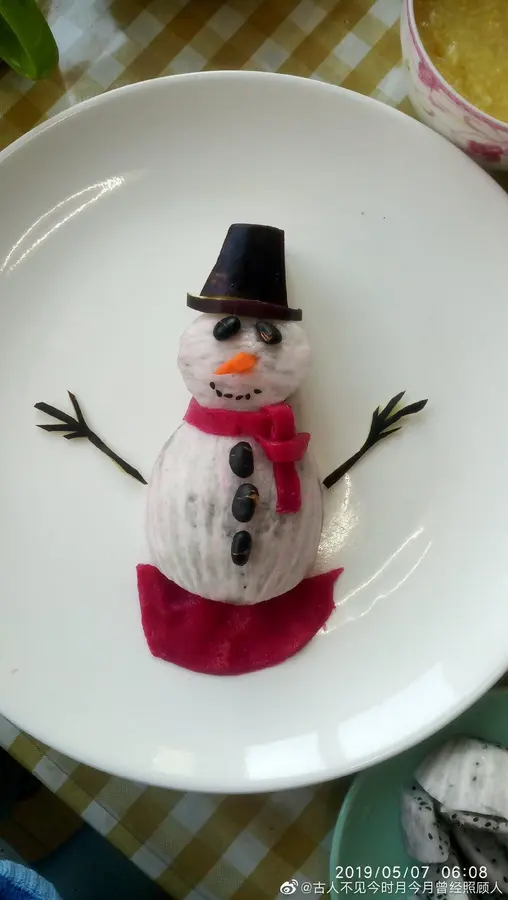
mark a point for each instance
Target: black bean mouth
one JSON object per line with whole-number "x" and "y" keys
{"x": 236, "y": 396}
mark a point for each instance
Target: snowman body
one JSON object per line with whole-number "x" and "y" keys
{"x": 235, "y": 366}
{"x": 191, "y": 526}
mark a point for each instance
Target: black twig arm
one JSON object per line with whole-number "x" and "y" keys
{"x": 381, "y": 421}
{"x": 78, "y": 428}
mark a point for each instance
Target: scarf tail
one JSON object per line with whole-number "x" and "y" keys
{"x": 273, "y": 428}
{"x": 289, "y": 495}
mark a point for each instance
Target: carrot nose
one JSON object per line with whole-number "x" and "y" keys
{"x": 242, "y": 362}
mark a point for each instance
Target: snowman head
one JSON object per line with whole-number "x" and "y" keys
{"x": 242, "y": 363}
{"x": 246, "y": 351}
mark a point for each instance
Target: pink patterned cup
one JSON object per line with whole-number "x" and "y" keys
{"x": 437, "y": 104}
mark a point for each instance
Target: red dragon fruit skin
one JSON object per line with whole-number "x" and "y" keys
{"x": 225, "y": 639}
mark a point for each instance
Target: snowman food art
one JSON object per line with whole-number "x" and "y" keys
{"x": 234, "y": 505}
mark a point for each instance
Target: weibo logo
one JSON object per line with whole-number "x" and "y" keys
{"x": 289, "y": 887}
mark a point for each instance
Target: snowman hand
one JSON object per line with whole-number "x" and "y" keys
{"x": 78, "y": 428}
{"x": 381, "y": 420}
{"x": 380, "y": 427}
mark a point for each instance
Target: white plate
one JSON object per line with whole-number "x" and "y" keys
{"x": 396, "y": 250}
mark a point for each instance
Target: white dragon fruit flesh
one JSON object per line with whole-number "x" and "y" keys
{"x": 469, "y": 775}
{"x": 451, "y": 883}
{"x": 482, "y": 850}
{"x": 475, "y": 821}
{"x": 455, "y": 817}
{"x": 426, "y": 839}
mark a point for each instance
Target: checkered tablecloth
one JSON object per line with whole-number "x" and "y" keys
{"x": 108, "y": 43}
{"x": 198, "y": 846}
{"x": 201, "y": 846}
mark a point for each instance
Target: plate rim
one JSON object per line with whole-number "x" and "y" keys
{"x": 198, "y": 781}
{"x": 162, "y": 82}
{"x": 208, "y": 785}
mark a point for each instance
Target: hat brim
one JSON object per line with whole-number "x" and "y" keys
{"x": 237, "y": 306}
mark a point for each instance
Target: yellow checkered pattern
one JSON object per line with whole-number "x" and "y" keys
{"x": 197, "y": 846}
{"x": 203, "y": 847}
{"x": 108, "y": 43}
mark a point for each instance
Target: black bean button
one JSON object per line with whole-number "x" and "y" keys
{"x": 268, "y": 332}
{"x": 241, "y": 547}
{"x": 226, "y": 328}
{"x": 245, "y": 502}
{"x": 241, "y": 460}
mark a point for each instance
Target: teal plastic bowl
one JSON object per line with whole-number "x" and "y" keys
{"x": 368, "y": 836}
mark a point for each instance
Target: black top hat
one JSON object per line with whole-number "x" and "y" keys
{"x": 249, "y": 277}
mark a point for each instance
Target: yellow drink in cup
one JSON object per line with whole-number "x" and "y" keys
{"x": 467, "y": 40}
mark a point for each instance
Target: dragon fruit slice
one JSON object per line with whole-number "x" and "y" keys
{"x": 475, "y": 821}
{"x": 426, "y": 840}
{"x": 468, "y": 774}
{"x": 450, "y": 886}
{"x": 483, "y": 849}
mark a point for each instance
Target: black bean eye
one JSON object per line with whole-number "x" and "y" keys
{"x": 226, "y": 328}
{"x": 268, "y": 332}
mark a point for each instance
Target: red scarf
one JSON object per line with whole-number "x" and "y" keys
{"x": 273, "y": 428}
